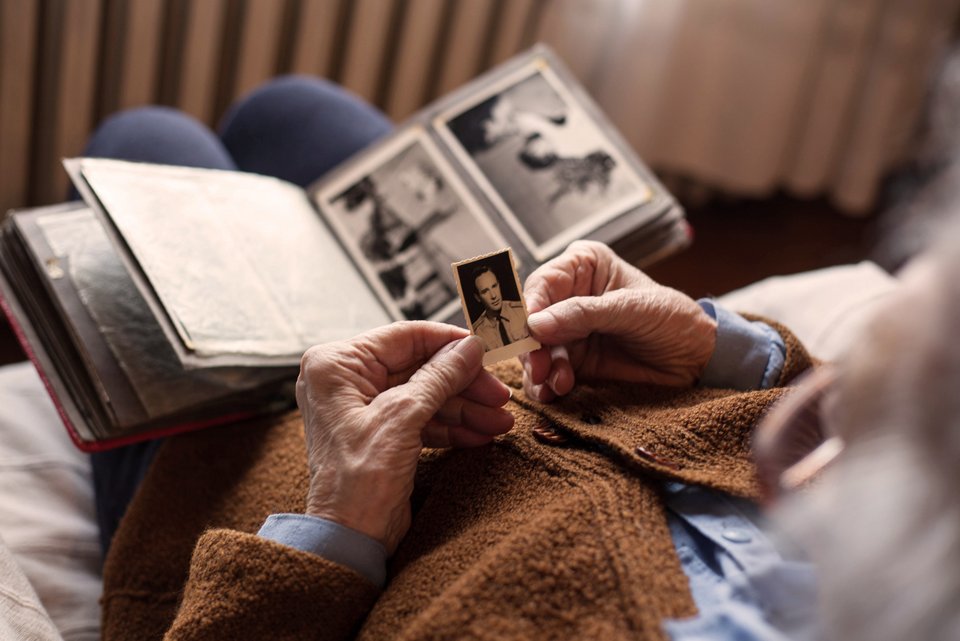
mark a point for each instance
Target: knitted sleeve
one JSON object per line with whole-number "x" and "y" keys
{"x": 242, "y": 586}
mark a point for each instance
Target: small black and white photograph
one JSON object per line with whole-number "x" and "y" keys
{"x": 404, "y": 217}
{"x": 546, "y": 165}
{"x": 493, "y": 305}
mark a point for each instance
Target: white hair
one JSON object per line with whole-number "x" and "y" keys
{"x": 883, "y": 523}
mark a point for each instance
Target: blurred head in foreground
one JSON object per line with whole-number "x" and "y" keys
{"x": 882, "y": 520}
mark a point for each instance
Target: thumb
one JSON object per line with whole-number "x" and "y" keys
{"x": 576, "y": 318}
{"x": 446, "y": 374}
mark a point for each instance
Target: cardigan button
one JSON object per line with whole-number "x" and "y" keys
{"x": 545, "y": 433}
{"x": 647, "y": 455}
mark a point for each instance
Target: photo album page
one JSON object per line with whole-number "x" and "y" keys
{"x": 519, "y": 158}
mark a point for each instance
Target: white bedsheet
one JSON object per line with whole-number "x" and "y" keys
{"x": 46, "y": 510}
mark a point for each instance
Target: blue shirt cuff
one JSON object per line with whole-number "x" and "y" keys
{"x": 330, "y": 540}
{"x": 749, "y": 355}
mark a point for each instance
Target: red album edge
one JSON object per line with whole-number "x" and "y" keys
{"x": 111, "y": 443}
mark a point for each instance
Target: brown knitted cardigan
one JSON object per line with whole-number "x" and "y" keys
{"x": 527, "y": 538}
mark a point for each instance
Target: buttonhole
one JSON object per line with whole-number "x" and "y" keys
{"x": 646, "y": 454}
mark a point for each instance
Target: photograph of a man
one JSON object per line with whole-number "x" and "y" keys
{"x": 502, "y": 321}
{"x": 493, "y": 305}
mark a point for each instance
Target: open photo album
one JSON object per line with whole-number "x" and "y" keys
{"x": 173, "y": 298}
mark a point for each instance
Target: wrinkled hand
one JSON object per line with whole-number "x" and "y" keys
{"x": 599, "y": 317}
{"x": 371, "y": 403}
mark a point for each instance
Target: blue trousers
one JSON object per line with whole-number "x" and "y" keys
{"x": 295, "y": 128}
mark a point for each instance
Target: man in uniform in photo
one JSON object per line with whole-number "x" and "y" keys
{"x": 503, "y": 321}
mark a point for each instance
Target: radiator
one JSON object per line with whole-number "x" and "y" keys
{"x": 818, "y": 97}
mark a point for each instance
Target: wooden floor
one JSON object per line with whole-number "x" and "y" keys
{"x": 735, "y": 244}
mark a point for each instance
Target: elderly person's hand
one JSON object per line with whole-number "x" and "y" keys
{"x": 599, "y": 317}
{"x": 371, "y": 403}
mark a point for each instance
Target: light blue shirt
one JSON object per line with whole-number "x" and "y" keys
{"x": 744, "y": 586}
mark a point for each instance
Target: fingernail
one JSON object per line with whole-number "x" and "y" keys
{"x": 552, "y": 381}
{"x": 538, "y": 322}
{"x": 471, "y": 348}
{"x": 533, "y": 303}
{"x": 508, "y": 389}
{"x": 544, "y": 394}
{"x": 537, "y": 392}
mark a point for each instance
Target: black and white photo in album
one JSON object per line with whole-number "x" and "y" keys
{"x": 544, "y": 163}
{"x": 493, "y": 305}
{"x": 404, "y": 217}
